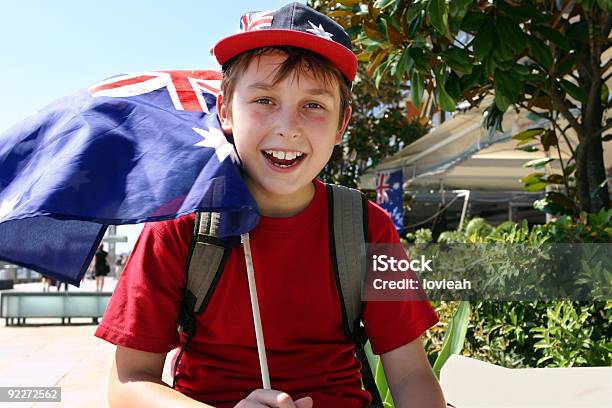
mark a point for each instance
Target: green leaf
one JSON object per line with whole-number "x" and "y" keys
{"x": 471, "y": 80}
{"x": 535, "y": 186}
{"x": 554, "y": 37}
{"x": 458, "y": 9}
{"x": 414, "y": 10}
{"x": 420, "y": 61}
{"x": 453, "y": 86}
{"x": 457, "y": 59}
{"x": 573, "y": 90}
{"x": 454, "y": 337}
{"x": 528, "y": 149}
{"x": 506, "y": 89}
{"x": 553, "y": 179}
{"x": 484, "y": 41}
{"x": 383, "y": 4}
{"x": 510, "y": 34}
{"x": 509, "y": 83}
{"x": 445, "y": 101}
{"x": 438, "y": 13}
{"x": 556, "y": 203}
{"x": 538, "y": 163}
{"x": 529, "y": 134}
{"x": 473, "y": 21}
{"x": 381, "y": 379}
{"x": 404, "y": 65}
{"x": 502, "y": 102}
{"x": 540, "y": 52}
{"x": 489, "y": 66}
{"x": 416, "y": 88}
{"x": 566, "y": 64}
{"x": 605, "y": 5}
{"x": 527, "y": 11}
{"x": 532, "y": 178}
{"x": 605, "y": 93}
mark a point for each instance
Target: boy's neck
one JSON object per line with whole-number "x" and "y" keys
{"x": 271, "y": 205}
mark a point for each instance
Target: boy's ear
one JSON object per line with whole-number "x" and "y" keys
{"x": 345, "y": 122}
{"x": 224, "y": 115}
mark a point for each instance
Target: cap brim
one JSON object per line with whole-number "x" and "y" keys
{"x": 339, "y": 55}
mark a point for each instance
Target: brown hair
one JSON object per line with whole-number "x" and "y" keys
{"x": 299, "y": 61}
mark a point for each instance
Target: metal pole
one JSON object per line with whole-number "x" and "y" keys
{"x": 466, "y": 199}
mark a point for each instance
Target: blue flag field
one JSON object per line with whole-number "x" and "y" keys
{"x": 139, "y": 147}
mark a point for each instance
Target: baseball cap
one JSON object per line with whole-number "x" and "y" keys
{"x": 294, "y": 25}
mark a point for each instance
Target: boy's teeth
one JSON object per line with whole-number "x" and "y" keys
{"x": 284, "y": 155}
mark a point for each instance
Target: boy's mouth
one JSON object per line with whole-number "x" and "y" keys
{"x": 283, "y": 159}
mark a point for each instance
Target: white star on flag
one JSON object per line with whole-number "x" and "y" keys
{"x": 78, "y": 179}
{"x": 7, "y": 207}
{"x": 319, "y": 31}
{"x": 215, "y": 138}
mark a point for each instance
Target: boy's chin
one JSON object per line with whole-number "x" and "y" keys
{"x": 279, "y": 188}
{"x": 286, "y": 189}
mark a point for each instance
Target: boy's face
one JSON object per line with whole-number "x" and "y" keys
{"x": 284, "y": 133}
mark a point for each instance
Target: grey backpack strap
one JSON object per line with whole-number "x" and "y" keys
{"x": 348, "y": 236}
{"x": 205, "y": 262}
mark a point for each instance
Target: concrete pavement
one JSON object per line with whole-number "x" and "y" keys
{"x": 46, "y": 354}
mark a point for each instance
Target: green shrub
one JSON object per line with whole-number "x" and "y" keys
{"x": 533, "y": 334}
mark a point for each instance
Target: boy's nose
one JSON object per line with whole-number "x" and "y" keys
{"x": 289, "y": 124}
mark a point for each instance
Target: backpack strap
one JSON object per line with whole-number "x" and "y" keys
{"x": 348, "y": 235}
{"x": 205, "y": 262}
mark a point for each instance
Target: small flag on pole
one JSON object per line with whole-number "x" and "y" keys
{"x": 389, "y": 195}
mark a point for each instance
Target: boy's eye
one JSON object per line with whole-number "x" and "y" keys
{"x": 263, "y": 101}
{"x": 314, "y": 105}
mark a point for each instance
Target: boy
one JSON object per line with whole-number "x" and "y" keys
{"x": 285, "y": 102}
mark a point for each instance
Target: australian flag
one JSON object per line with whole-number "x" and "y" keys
{"x": 389, "y": 195}
{"x": 140, "y": 147}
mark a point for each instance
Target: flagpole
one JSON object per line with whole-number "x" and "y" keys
{"x": 261, "y": 348}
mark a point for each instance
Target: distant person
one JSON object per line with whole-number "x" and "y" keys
{"x": 47, "y": 283}
{"x": 101, "y": 267}
{"x": 119, "y": 263}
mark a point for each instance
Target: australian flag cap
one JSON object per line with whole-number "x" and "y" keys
{"x": 294, "y": 25}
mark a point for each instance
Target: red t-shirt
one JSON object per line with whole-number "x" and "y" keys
{"x": 307, "y": 350}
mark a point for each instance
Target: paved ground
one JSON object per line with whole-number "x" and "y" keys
{"x": 45, "y": 353}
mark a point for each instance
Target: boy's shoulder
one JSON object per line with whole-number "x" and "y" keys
{"x": 179, "y": 229}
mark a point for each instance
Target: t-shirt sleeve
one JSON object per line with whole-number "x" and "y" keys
{"x": 143, "y": 310}
{"x": 391, "y": 324}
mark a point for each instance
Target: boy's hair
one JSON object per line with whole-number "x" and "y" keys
{"x": 299, "y": 61}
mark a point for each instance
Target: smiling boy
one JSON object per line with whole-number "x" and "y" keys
{"x": 285, "y": 104}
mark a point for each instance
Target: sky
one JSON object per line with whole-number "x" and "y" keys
{"x": 49, "y": 49}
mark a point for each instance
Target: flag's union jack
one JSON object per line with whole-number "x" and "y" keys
{"x": 382, "y": 188}
{"x": 256, "y": 21}
{"x": 186, "y": 88}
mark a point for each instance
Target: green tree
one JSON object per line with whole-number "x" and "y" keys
{"x": 545, "y": 56}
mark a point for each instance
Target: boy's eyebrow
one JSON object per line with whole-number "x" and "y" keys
{"x": 313, "y": 91}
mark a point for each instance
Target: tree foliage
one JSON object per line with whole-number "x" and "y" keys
{"x": 544, "y": 56}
